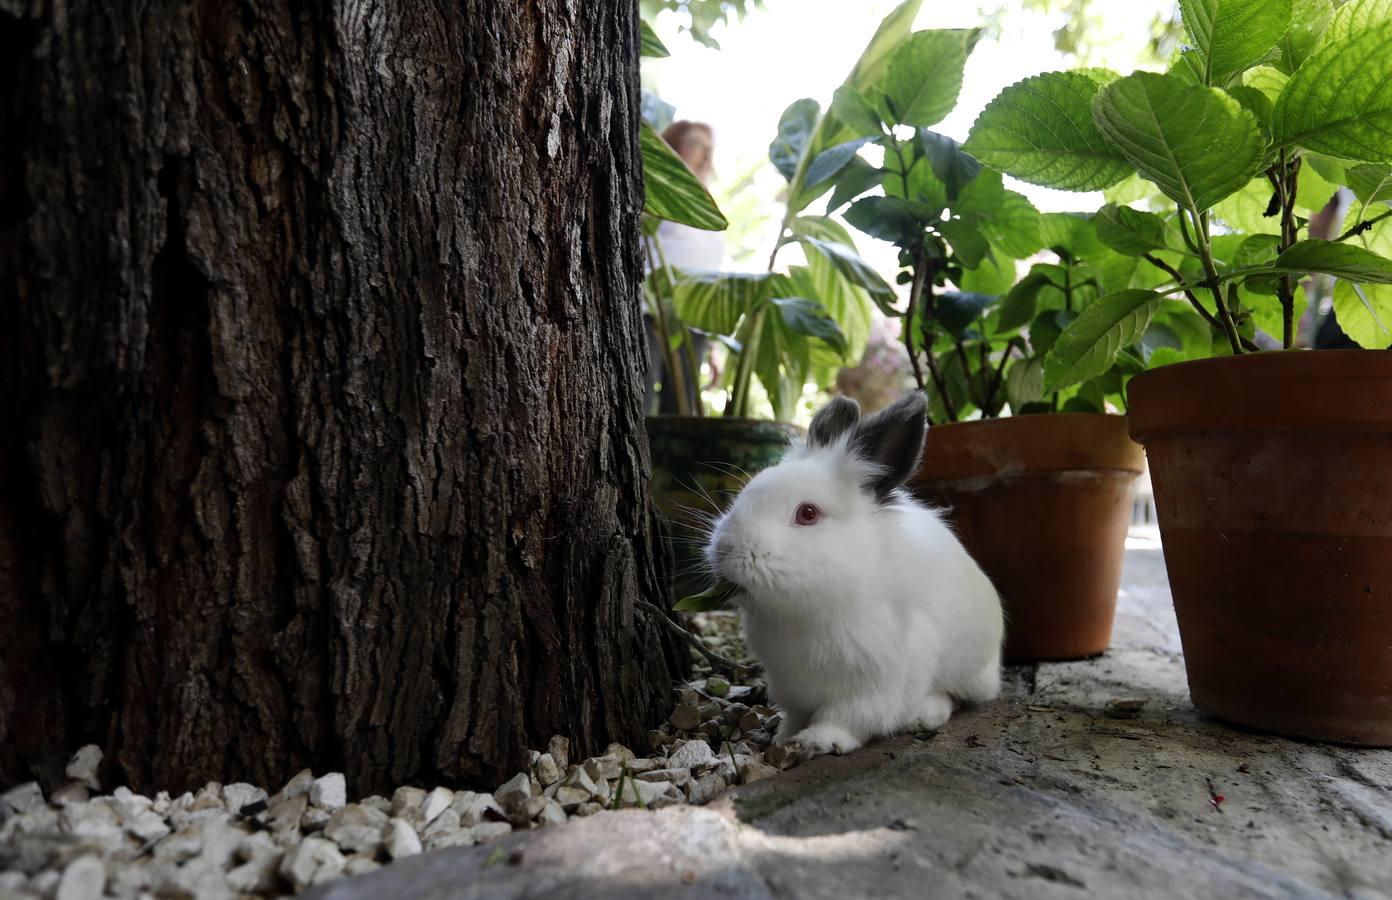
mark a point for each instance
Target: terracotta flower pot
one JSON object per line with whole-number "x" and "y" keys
{"x": 1043, "y": 503}
{"x": 1273, "y": 483}
{"x": 698, "y": 461}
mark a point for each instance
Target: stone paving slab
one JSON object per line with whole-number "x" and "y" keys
{"x": 1086, "y": 779}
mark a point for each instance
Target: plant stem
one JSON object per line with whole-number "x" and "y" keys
{"x": 923, "y": 277}
{"x": 1193, "y": 300}
{"x": 1285, "y": 181}
{"x": 688, "y": 345}
{"x": 715, "y": 659}
{"x": 915, "y": 291}
{"x": 1211, "y": 274}
{"x": 999, "y": 378}
{"x": 1363, "y": 226}
{"x": 675, "y": 375}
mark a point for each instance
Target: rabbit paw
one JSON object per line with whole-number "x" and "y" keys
{"x": 819, "y": 740}
{"x": 933, "y": 713}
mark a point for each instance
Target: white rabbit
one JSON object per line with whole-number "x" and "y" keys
{"x": 868, "y": 614}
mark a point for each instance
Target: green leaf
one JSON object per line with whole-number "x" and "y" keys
{"x": 795, "y": 128}
{"x": 1041, "y": 130}
{"x": 716, "y": 302}
{"x": 1266, "y": 79}
{"x": 1356, "y": 16}
{"x": 1007, "y": 219}
{"x": 994, "y": 276}
{"x": 1024, "y": 383}
{"x": 808, "y": 317}
{"x": 851, "y": 108}
{"x": 854, "y": 269}
{"x": 847, "y": 304}
{"x": 968, "y": 243}
{"x": 1231, "y": 35}
{"x": 670, "y": 190}
{"x": 891, "y": 219}
{"x": 1340, "y": 101}
{"x": 832, "y": 160}
{"x": 1255, "y": 102}
{"x": 873, "y": 62}
{"x": 1371, "y": 183}
{"x": 1131, "y": 231}
{"x": 1246, "y": 210}
{"x": 1018, "y": 306}
{"x": 1046, "y": 329}
{"x": 1197, "y": 144}
{"x": 954, "y": 168}
{"x": 1364, "y": 312}
{"x": 857, "y": 178}
{"x": 1089, "y": 345}
{"x": 1309, "y": 19}
{"x": 717, "y": 596}
{"x": 955, "y": 311}
{"x": 649, "y": 44}
{"x": 923, "y": 80}
{"x": 1342, "y": 260}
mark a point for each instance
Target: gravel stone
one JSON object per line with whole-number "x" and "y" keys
{"x": 547, "y": 772}
{"x": 400, "y": 839}
{"x": 361, "y": 865}
{"x": 72, "y": 792}
{"x": 551, "y": 814}
{"x": 473, "y": 808}
{"x": 235, "y": 796}
{"x": 514, "y": 794}
{"x": 559, "y": 748}
{"x": 678, "y": 777}
{"x": 23, "y": 798}
{"x": 689, "y": 754}
{"x": 435, "y": 802}
{"x": 314, "y": 819}
{"x": 147, "y": 825}
{"x": 83, "y": 766}
{"x": 329, "y": 792}
{"x": 379, "y": 803}
{"x": 84, "y": 878}
{"x": 313, "y": 858}
{"x": 298, "y": 785}
{"x": 685, "y": 717}
{"x": 755, "y": 770}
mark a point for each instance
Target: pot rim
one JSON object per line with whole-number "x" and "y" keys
{"x": 1275, "y": 390}
{"x": 1024, "y": 445}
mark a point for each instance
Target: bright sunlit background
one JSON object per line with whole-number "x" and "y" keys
{"x": 805, "y": 48}
{"x": 785, "y": 50}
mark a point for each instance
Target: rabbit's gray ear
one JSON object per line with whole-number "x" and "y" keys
{"x": 832, "y": 421}
{"x": 893, "y": 439}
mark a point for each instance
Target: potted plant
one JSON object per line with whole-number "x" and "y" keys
{"x": 1271, "y": 469}
{"x": 783, "y": 329}
{"x": 1041, "y": 501}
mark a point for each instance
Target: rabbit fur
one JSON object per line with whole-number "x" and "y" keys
{"x": 872, "y": 619}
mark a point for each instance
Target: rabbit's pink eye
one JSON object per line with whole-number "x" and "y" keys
{"x": 807, "y": 514}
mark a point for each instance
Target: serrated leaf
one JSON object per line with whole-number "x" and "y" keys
{"x": 1131, "y": 231}
{"x": 968, "y": 244}
{"x": 1255, "y": 102}
{"x": 924, "y": 77}
{"x": 1197, "y": 144}
{"x": 1309, "y": 19}
{"x": 1371, "y": 183}
{"x": 1231, "y": 35}
{"x": 891, "y": 219}
{"x": 1364, "y": 312}
{"x": 1356, "y": 16}
{"x": 1342, "y": 260}
{"x": 955, "y": 311}
{"x": 853, "y": 111}
{"x": 649, "y": 44}
{"x": 994, "y": 276}
{"x": 670, "y": 190}
{"x": 857, "y": 178}
{"x": 832, "y": 160}
{"x": 1089, "y": 345}
{"x": 1267, "y": 80}
{"x": 1041, "y": 130}
{"x": 1024, "y": 383}
{"x": 1018, "y": 306}
{"x": 1246, "y": 209}
{"x": 1340, "y": 101}
{"x": 795, "y": 129}
{"x": 954, "y": 168}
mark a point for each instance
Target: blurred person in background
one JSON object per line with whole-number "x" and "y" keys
{"x": 685, "y": 248}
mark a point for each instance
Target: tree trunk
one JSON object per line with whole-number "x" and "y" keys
{"x": 320, "y": 389}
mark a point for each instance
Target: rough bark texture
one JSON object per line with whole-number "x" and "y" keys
{"x": 320, "y": 381}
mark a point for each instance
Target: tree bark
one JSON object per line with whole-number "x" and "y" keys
{"x": 321, "y": 367}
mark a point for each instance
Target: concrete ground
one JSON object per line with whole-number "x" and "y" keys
{"x": 1094, "y": 778}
